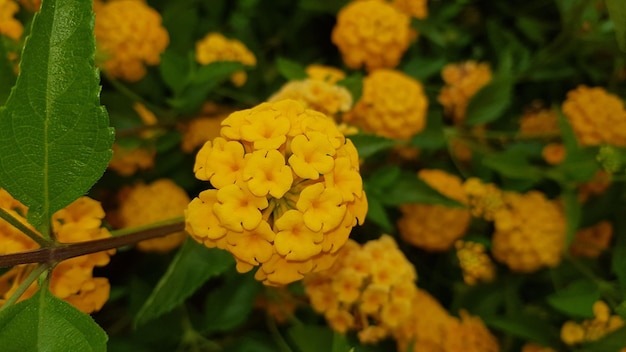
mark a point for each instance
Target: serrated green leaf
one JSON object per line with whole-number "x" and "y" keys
{"x": 490, "y": 101}
{"x": 192, "y": 266}
{"x": 370, "y": 144}
{"x": 55, "y": 138}
{"x": 230, "y": 305}
{"x": 290, "y": 70}
{"x": 354, "y": 84}
{"x": 46, "y": 323}
{"x": 311, "y": 338}
{"x": 7, "y": 75}
{"x": 576, "y": 299}
{"x": 617, "y": 12}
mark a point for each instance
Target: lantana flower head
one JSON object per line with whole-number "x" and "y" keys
{"x": 596, "y": 116}
{"x": 143, "y": 204}
{"x": 462, "y": 81}
{"x": 129, "y": 35}
{"x": 371, "y": 33}
{"x": 413, "y": 8}
{"x": 316, "y": 94}
{"x": 325, "y": 73}
{"x": 128, "y": 160}
{"x": 369, "y": 288}
{"x": 591, "y": 241}
{"x": 475, "y": 263}
{"x": 9, "y": 25}
{"x": 393, "y": 105}
{"x": 287, "y": 191}
{"x": 71, "y": 279}
{"x": 484, "y": 199}
{"x": 435, "y": 227}
{"x": 204, "y": 127}
{"x": 529, "y": 232}
{"x": 603, "y": 323}
{"x": 215, "y": 47}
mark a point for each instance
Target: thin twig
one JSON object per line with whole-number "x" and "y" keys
{"x": 34, "y": 275}
{"x": 6, "y": 216}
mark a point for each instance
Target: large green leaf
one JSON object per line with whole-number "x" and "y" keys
{"x": 192, "y": 266}
{"x": 55, "y": 138}
{"x": 370, "y": 144}
{"x": 46, "y": 323}
{"x": 489, "y": 103}
{"x": 7, "y": 75}
{"x": 577, "y": 299}
{"x": 291, "y": 70}
{"x": 311, "y": 338}
{"x": 617, "y": 11}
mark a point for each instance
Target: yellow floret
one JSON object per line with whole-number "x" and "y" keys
{"x": 462, "y": 81}
{"x": 129, "y": 35}
{"x": 10, "y": 26}
{"x": 435, "y": 227}
{"x": 393, "y": 105}
{"x": 215, "y": 47}
{"x": 371, "y": 33}
{"x": 319, "y": 95}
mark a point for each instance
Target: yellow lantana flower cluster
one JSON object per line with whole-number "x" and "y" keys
{"x": 10, "y": 26}
{"x": 370, "y": 288}
{"x": 325, "y": 73}
{"x": 71, "y": 279}
{"x": 129, "y": 35}
{"x": 538, "y": 122}
{"x": 529, "y": 232}
{"x": 143, "y": 204}
{"x": 215, "y": 47}
{"x": 435, "y": 227}
{"x": 603, "y": 323}
{"x": 372, "y": 33}
{"x": 484, "y": 199}
{"x": 413, "y": 8}
{"x": 315, "y": 94}
{"x": 462, "y": 81}
{"x": 591, "y": 241}
{"x": 475, "y": 263}
{"x": 432, "y": 328}
{"x": 287, "y": 191}
{"x": 204, "y": 127}
{"x": 596, "y": 116}
{"x": 392, "y": 105}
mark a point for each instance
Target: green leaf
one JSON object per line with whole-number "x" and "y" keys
{"x": 230, "y": 305}
{"x": 421, "y": 68}
{"x": 328, "y": 6}
{"x": 377, "y": 214}
{"x": 408, "y": 188}
{"x": 576, "y": 299}
{"x": 617, "y": 11}
{"x": 370, "y": 144}
{"x": 55, "y": 138}
{"x": 612, "y": 342}
{"x": 7, "y": 75}
{"x": 291, "y": 70}
{"x": 354, "y": 84}
{"x": 527, "y": 327}
{"x": 175, "y": 69}
{"x": 46, "y": 323}
{"x": 514, "y": 162}
{"x": 490, "y": 102}
{"x": 432, "y": 137}
{"x": 311, "y": 338}
{"x": 618, "y": 265}
{"x": 340, "y": 343}
{"x": 573, "y": 212}
{"x": 192, "y": 266}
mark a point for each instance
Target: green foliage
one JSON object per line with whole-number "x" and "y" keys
{"x": 370, "y": 144}
{"x": 316, "y": 338}
{"x": 290, "y": 70}
{"x": 54, "y": 136}
{"x": 576, "y": 300}
{"x": 489, "y": 103}
{"x": 6, "y": 73}
{"x": 193, "y": 265}
{"x": 46, "y": 323}
{"x": 617, "y": 10}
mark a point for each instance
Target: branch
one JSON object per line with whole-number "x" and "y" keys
{"x": 8, "y": 217}
{"x": 67, "y": 251}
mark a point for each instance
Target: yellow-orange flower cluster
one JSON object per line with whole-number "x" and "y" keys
{"x": 370, "y": 288}
{"x": 10, "y": 26}
{"x": 462, "y": 81}
{"x": 432, "y": 328}
{"x": 393, "y": 105}
{"x": 215, "y": 47}
{"x": 71, "y": 279}
{"x": 371, "y": 33}
{"x": 414, "y": 8}
{"x": 591, "y": 241}
{"x": 325, "y": 73}
{"x": 603, "y": 323}
{"x": 529, "y": 232}
{"x": 598, "y": 184}
{"x": 129, "y": 35}
{"x": 203, "y": 128}
{"x": 538, "y": 122}
{"x": 476, "y": 265}
{"x": 435, "y": 227}
{"x": 484, "y": 200}
{"x": 319, "y": 95}
{"x": 532, "y": 347}
{"x": 287, "y": 191}
{"x": 144, "y": 204}
{"x": 597, "y": 116}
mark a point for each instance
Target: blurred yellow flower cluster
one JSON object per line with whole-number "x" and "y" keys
{"x": 591, "y": 241}
{"x": 432, "y": 328}
{"x": 325, "y": 73}
{"x": 10, "y": 26}
{"x": 371, "y": 33}
{"x": 129, "y": 36}
{"x": 573, "y": 333}
{"x": 144, "y": 204}
{"x": 462, "y": 81}
{"x": 215, "y": 47}
{"x": 529, "y": 232}
{"x": 316, "y": 94}
{"x": 539, "y": 122}
{"x": 71, "y": 279}
{"x": 435, "y": 227}
{"x": 533, "y": 347}
{"x": 475, "y": 263}
{"x": 414, "y": 8}
{"x": 596, "y": 116}
{"x": 203, "y": 127}
{"x": 484, "y": 199}
{"x": 370, "y": 288}
{"x": 393, "y": 105}
{"x": 287, "y": 191}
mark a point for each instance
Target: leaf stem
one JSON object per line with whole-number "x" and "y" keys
{"x": 8, "y": 217}
{"x": 278, "y": 338}
{"x": 66, "y": 251}
{"x": 25, "y": 285}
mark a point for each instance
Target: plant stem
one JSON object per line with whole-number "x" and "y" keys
{"x": 66, "y": 251}
{"x": 278, "y": 338}
{"x": 6, "y": 216}
{"x": 25, "y": 285}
